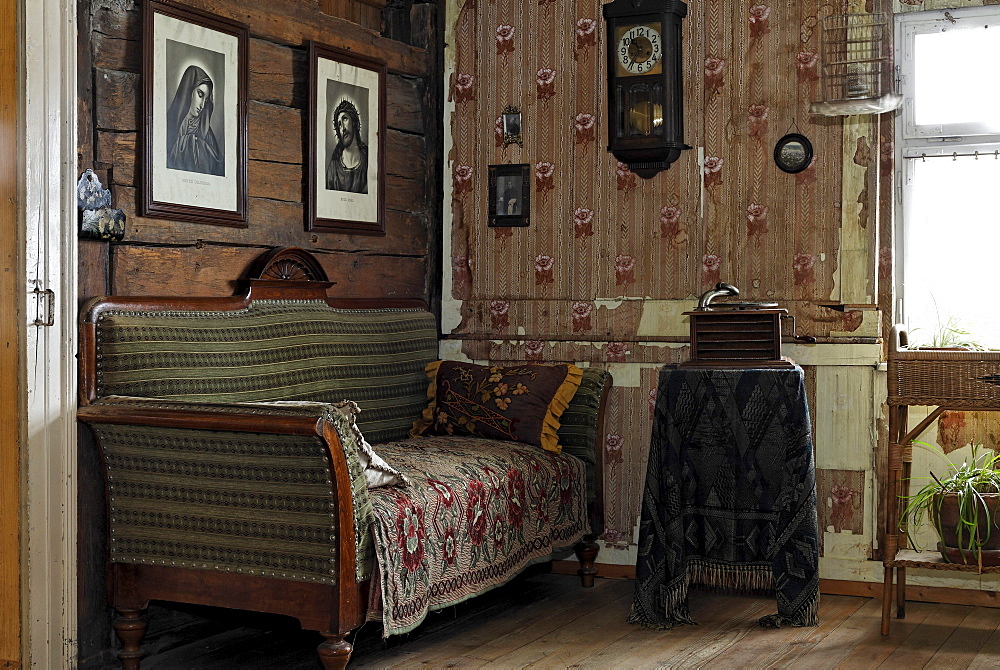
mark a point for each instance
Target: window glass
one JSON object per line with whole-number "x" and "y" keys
{"x": 955, "y": 82}
{"x": 952, "y": 248}
{"x": 948, "y": 221}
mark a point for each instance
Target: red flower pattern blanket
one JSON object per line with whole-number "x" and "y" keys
{"x": 474, "y": 514}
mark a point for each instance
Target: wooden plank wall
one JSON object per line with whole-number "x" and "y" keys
{"x": 160, "y": 257}
{"x": 10, "y": 346}
{"x": 170, "y": 257}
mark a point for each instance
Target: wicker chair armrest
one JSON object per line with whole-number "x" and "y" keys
{"x": 899, "y": 339}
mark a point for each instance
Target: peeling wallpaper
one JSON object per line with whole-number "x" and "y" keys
{"x": 597, "y": 229}
{"x": 611, "y": 260}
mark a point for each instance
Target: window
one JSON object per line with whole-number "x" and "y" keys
{"x": 948, "y": 153}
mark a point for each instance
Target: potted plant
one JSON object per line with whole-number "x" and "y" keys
{"x": 951, "y": 335}
{"x": 948, "y": 334}
{"x": 963, "y": 507}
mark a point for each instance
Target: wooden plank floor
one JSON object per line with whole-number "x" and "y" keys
{"x": 548, "y": 621}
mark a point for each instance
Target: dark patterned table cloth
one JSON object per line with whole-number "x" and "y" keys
{"x": 730, "y": 495}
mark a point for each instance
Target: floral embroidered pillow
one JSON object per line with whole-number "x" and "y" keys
{"x": 521, "y": 403}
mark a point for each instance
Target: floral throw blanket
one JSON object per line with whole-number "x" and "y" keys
{"x": 475, "y": 513}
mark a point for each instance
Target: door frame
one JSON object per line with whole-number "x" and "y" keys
{"x": 49, "y": 174}
{"x": 11, "y": 337}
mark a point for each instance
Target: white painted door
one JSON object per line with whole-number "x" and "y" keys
{"x": 49, "y": 454}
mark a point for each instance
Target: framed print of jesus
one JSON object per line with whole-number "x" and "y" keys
{"x": 194, "y": 165}
{"x": 346, "y": 142}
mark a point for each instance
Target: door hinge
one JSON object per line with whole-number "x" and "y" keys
{"x": 45, "y": 307}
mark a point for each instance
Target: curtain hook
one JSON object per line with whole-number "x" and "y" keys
{"x": 977, "y": 155}
{"x": 954, "y": 155}
{"x": 923, "y": 158}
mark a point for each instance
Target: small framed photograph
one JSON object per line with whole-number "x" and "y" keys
{"x": 793, "y": 153}
{"x": 510, "y": 195}
{"x": 194, "y": 165}
{"x": 512, "y": 127}
{"x": 346, "y": 142}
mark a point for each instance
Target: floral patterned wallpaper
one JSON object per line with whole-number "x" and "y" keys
{"x": 602, "y": 241}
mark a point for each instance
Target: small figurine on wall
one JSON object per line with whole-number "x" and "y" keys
{"x": 98, "y": 220}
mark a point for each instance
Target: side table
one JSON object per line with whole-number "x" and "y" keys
{"x": 945, "y": 380}
{"x": 730, "y": 494}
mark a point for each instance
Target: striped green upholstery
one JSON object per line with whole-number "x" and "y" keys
{"x": 275, "y": 350}
{"x": 578, "y": 430}
{"x": 252, "y": 503}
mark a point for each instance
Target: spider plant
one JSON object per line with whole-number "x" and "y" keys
{"x": 949, "y": 333}
{"x": 970, "y": 482}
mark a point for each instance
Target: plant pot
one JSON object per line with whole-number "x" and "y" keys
{"x": 950, "y": 547}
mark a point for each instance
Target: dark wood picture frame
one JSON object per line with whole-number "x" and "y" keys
{"x": 793, "y": 153}
{"x": 510, "y": 195}
{"x": 344, "y": 195}
{"x": 512, "y": 123}
{"x": 194, "y": 79}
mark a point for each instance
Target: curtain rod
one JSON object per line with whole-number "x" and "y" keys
{"x": 955, "y": 155}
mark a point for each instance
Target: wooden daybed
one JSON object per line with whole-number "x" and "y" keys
{"x": 219, "y": 493}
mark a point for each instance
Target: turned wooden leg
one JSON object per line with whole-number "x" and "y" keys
{"x": 334, "y": 652}
{"x": 130, "y": 627}
{"x": 586, "y": 552}
{"x": 886, "y": 600}
{"x": 900, "y": 593}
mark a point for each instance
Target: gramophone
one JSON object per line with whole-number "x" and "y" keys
{"x": 738, "y": 334}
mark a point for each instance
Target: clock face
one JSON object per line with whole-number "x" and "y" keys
{"x": 639, "y": 49}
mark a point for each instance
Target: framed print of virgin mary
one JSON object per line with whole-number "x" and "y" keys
{"x": 194, "y": 165}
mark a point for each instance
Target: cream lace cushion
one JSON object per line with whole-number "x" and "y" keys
{"x": 521, "y": 403}
{"x": 377, "y": 471}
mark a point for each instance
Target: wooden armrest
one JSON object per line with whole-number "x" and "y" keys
{"x": 115, "y": 418}
{"x": 244, "y": 417}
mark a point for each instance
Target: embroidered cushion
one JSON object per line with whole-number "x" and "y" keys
{"x": 521, "y": 403}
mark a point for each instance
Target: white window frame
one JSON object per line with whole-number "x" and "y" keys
{"x": 915, "y": 141}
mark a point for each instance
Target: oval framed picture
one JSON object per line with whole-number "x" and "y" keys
{"x": 793, "y": 153}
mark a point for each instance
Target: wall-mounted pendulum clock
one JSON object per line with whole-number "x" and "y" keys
{"x": 645, "y": 119}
